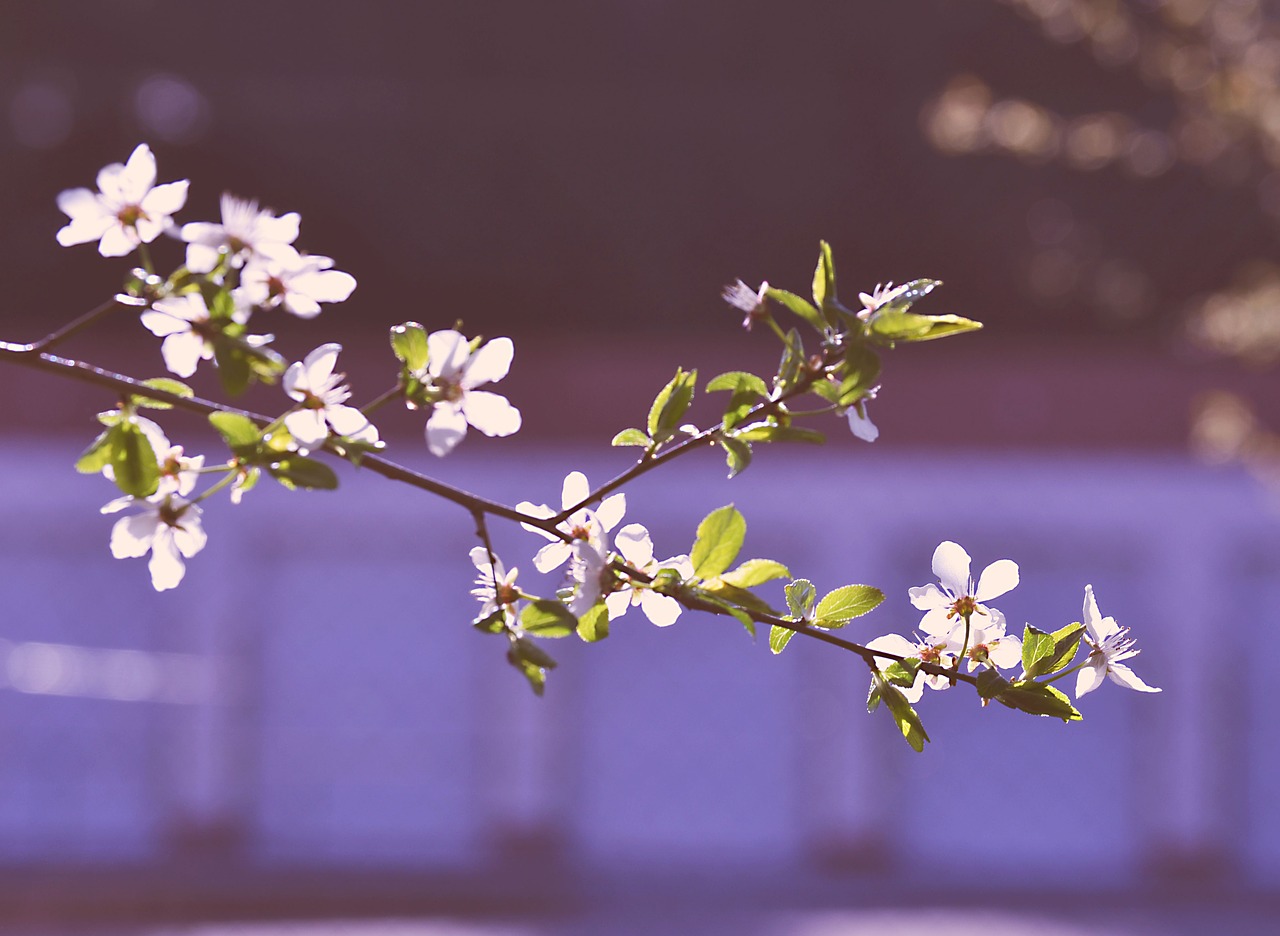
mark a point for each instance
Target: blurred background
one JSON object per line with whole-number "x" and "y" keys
{"x": 1096, "y": 180}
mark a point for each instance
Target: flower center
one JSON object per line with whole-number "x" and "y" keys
{"x": 130, "y": 215}
{"x": 170, "y": 513}
{"x": 235, "y": 244}
{"x": 507, "y": 594}
{"x": 450, "y": 390}
{"x": 580, "y": 532}
{"x": 931, "y": 654}
{"x": 275, "y": 287}
{"x": 964, "y": 607}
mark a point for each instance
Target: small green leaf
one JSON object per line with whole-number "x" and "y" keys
{"x": 824, "y": 283}
{"x": 133, "y": 460}
{"x": 495, "y": 623}
{"x": 526, "y": 649}
{"x": 755, "y": 572}
{"x": 845, "y": 603}
{"x": 1044, "y": 653}
{"x": 298, "y": 471}
{"x": 1036, "y": 646}
{"x": 902, "y": 673}
{"x": 594, "y": 624}
{"x": 409, "y": 343}
{"x": 547, "y": 617}
{"x": 779, "y": 637}
{"x": 991, "y": 684}
{"x": 670, "y": 405}
{"x": 1066, "y": 641}
{"x": 735, "y": 596}
{"x": 768, "y": 432}
{"x": 861, "y": 370}
{"x": 739, "y": 614}
{"x": 719, "y": 539}
{"x": 905, "y": 716}
{"x": 908, "y": 326}
{"x": 236, "y": 430}
{"x": 797, "y": 305}
{"x": 873, "y": 695}
{"x": 233, "y": 365}
{"x": 1039, "y": 699}
{"x": 737, "y": 455}
{"x": 176, "y": 387}
{"x": 98, "y": 455}
{"x": 631, "y": 437}
{"x": 793, "y": 361}
{"x": 738, "y": 380}
{"x": 800, "y": 597}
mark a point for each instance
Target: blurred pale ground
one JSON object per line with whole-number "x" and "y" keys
{"x": 1097, "y": 181}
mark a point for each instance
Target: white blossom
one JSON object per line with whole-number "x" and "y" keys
{"x": 860, "y": 423}
{"x": 292, "y": 281}
{"x": 987, "y": 644}
{"x": 636, "y": 547}
{"x": 167, "y": 526}
{"x": 590, "y": 574}
{"x": 246, "y": 231}
{"x": 749, "y": 301}
{"x": 1111, "y": 643}
{"x": 185, "y": 324}
{"x": 454, "y": 371}
{"x": 323, "y": 397}
{"x": 127, "y": 210}
{"x": 880, "y": 296}
{"x": 926, "y": 649}
{"x": 495, "y": 587}
{"x": 582, "y": 524}
{"x": 956, "y": 594}
{"x": 178, "y": 473}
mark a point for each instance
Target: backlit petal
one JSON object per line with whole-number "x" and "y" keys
{"x": 445, "y": 429}
{"x": 1128, "y": 678}
{"x": 951, "y": 566}
{"x": 490, "y": 413}
{"x": 635, "y": 545}
{"x": 999, "y": 577}
{"x": 489, "y": 364}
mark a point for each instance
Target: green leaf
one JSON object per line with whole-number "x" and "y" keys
{"x": 873, "y": 695}
{"x": 1036, "y": 646}
{"x": 594, "y": 624}
{"x": 861, "y": 370}
{"x": 738, "y": 380}
{"x": 1049, "y": 653}
{"x": 908, "y": 326}
{"x": 98, "y": 455}
{"x": 755, "y": 572}
{"x": 845, "y": 603}
{"x": 547, "y": 617}
{"x": 797, "y": 305}
{"x": 298, "y": 471}
{"x": 905, "y": 716}
{"x": 734, "y": 595}
{"x": 737, "y": 455}
{"x": 532, "y": 661}
{"x": 779, "y": 637}
{"x": 670, "y": 405}
{"x": 236, "y": 430}
{"x": 233, "y": 365}
{"x": 824, "y": 283}
{"x": 1039, "y": 699}
{"x": 991, "y": 684}
{"x": 409, "y": 343}
{"x": 176, "y": 387}
{"x": 768, "y": 432}
{"x": 740, "y": 615}
{"x": 792, "y": 363}
{"x": 133, "y": 460}
{"x": 800, "y": 596}
{"x": 495, "y": 623}
{"x": 719, "y": 539}
{"x": 902, "y": 673}
{"x": 631, "y": 437}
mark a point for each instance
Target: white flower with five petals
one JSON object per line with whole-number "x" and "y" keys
{"x": 583, "y": 524}
{"x": 636, "y": 547}
{"x": 184, "y": 324}
{"x": 292, "y": 281}
{"x": 246, "y": 231}
{"x": 1111, "y": 643}
{"x": 454, "y": 371}
{"x": 323, "y": 398}
{"x": 495, "y": 586}
{"x": 168, "y": 527}
{"x": 955, "y": 595}
{"x": 127, "y": 210}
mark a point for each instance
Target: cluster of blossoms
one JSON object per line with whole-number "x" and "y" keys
{"x": 959, "y": 625}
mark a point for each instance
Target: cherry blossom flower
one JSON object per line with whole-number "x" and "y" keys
{"x": 495, "y": 587}
{"x": 926, "y": 649}
{"x": 246, "y": 231}
{"x": 185, "y": 324}
{"x": 178, "y": 473}
{"x": 127, "y": 210}
{"x": 583, "y": 524}
{"x": 749, "y": 301}
{"x": 636, "y": 547}
{"x": 323, "y": 397}
{"x": 591, "y": 575}
{"x": 957, "y": 596}
{"x": 1111, "y": 643}
{"x": 454, "y": 371}
{"x": 880, "y": 296}
{"x": 292, "y": 281}
{"x": 988, "y": 644}
{"x": 168, "y": 527}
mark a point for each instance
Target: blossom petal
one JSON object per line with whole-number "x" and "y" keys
{"x": 349, "y": 421}
{"x": 489, "y": 364}
{"x": 136, "y": 176}
{"x": 491, "y": 413}
{"x": 896, "y": 644}
{"x": 307, "y": 426}
{"x": 80, "y": 203}
{"x": 635, "y": 545}
{"x": 166, "y": 565}
{"x": 323, "y": 285}
{"x": 1090, "y": 677}
{"x": 445, "y": 429}
{"x": 537, "y": 510}
{"x": 319, "y": 365}
{"x": 189, "y": 536}
{"x": 618, "y": 603}
{"x": 951, "y": 566}
{"x": 281, "y": 230}
{"x": 1128, "y": 678}
{"x": 662, "y": 610}
{"x": 132, "y": 536}
{"x": 201, "y": 258}
{"x": 182, "y": 351}
{"x": 999, "y": 577}
{"x": 860, "y": 423}
{"x": 928, "y": 597}
{"x": 166, "y": 199}
{"x": 936, "y": 623}
{"x": 84, "y": 229}
{"x": 611, "y": 510}
{"x": 574, "y": 490}
{"x": 447, "y": 352}
{"x": 552, "y": 556}
{"x": 117, "y": 241}
{"x": 1006, "y": 652}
